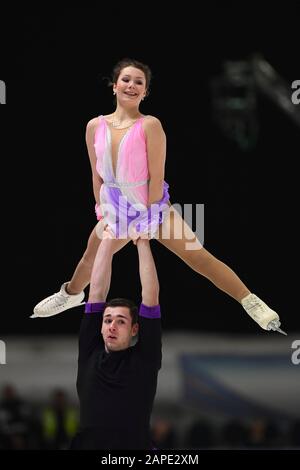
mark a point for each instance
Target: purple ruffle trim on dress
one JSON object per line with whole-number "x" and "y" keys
{"x": 128, "y": 216}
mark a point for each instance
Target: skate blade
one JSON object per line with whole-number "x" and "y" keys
{"x": 280, "y": 331}
{"x": 35, "y": 315}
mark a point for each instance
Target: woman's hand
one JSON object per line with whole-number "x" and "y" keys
{"x": 134, "y": 235}
{"x": 140, "y": 236}
{"x": 107, "y": 233}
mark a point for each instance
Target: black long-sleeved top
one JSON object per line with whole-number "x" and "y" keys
{"x": 116, "y": 390}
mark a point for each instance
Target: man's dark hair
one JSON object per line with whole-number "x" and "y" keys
{"x": 124, "y": 303}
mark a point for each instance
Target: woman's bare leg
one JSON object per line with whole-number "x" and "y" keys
{"x": 82, "y": 274}
{"x": 83, "y": 271}
{"x": 61, "y": 301}
{"x": 178, "y": 237}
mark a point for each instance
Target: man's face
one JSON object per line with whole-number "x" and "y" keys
{"x": 117, "y": 329}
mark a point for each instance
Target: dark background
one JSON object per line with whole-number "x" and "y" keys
{"x": 53, "y": 63}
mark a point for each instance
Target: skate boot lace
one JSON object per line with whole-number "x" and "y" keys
{"x": 55, "y": 301}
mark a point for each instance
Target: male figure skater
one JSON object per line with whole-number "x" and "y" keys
{"x": 117, "y": 382}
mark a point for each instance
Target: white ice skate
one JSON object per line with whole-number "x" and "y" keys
{"x": 267, "y": 318}
{"x": 57, "y": 303}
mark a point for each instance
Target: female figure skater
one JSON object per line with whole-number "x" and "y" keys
{"x": 127, "y": 152}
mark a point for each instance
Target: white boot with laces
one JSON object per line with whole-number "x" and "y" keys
{"x": 57, "y": 303}
{"x": 267, "y": 318}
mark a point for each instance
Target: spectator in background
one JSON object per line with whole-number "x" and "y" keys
{"x": 16, "y": 421}
{"x": 234, "y": 434}
{"x": 163, "y": 434}
{"x": 200, "y": 435}
{"x": 59, "y": 422}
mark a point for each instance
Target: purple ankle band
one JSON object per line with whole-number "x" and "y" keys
{"x": 149, "y": 312}
{"x": 96, "y": 307}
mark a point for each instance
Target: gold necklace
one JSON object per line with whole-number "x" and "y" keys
{"x": 116, "y": 124}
